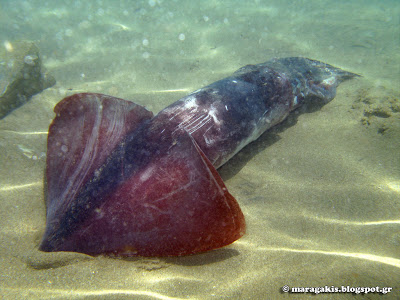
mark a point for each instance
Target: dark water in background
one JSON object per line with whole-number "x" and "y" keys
{"x": 321, "y": 197}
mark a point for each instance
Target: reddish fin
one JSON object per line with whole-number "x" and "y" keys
{"x": 174, "y": 204}
{"x": 86, "y": 129}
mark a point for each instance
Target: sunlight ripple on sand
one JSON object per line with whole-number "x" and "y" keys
{"x": 6, "y": 188}
{"x": 374, "y": 258}
{"x": 355, "y": 223}
{"x": 77, "y": 293}
{"x": 170, "y": 91}
{"x": 26, "y": 132}
{"x": 394, "y": 186}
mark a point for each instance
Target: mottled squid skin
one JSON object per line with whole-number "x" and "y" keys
{"x": 230, "y": 113}
{"x": 124, "y": 182}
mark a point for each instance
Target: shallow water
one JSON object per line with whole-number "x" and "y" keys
{"x": 320, "y": 192}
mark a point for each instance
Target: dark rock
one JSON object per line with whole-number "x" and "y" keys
{"x": 21, "y": 75}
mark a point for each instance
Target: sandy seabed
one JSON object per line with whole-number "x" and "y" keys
{"x": 320, "y": 192}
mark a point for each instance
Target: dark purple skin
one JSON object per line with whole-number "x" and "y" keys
{"x": 230, "y": 113}
{"x": 209, "y": 126}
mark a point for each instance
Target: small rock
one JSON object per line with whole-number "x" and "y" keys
{"x": 21, "y": 75}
